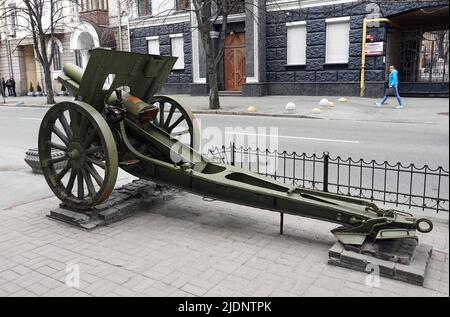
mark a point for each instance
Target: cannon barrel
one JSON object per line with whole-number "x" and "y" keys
{"x": 74, "y": 72}
{"x": 71, "y": 78}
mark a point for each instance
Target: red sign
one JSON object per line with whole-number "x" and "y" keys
{"x": 370, "y": 38}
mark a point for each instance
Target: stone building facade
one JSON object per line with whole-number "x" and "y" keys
{"x": 85, "y": 24}
{"x": 317, "y": 76}
{"x": 305, "y": 47}
{"x": 182, "y": 78}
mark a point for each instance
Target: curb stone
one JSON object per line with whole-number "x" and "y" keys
{"x": 219, "y": 112}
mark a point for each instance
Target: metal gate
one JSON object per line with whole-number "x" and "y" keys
{"x": 424, "y": 65}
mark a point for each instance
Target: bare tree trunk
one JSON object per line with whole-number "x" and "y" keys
{"x": 214, "y": 102}
{"x": 212, "y": 71}
{"x": 206, "y": 26}
{"x": 49, "y": 85}
{"x": 42, "y": 49}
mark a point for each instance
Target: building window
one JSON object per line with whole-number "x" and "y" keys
{"x": 86, "y": 5}
{"x": 103, "y": 4}
{"x": 91, "y": 5}
{"x": 338, "y": 40}
{"x": 75, "y": 7}
{"x": 78, "y": 58}
{"x": 56, "y": 56}
{"x": 296, "y": 43}
{"x": 177, "y": 49}
{"x": 153, "y": 45}
{"x": 144, "y": 7}
{"x": 181, "y": 5}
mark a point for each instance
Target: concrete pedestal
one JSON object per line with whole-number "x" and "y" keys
{"x": 401, "y": 259}
{"x": 123, "y": 201}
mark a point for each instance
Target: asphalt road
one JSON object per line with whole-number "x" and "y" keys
{"x": 395, "y": 142}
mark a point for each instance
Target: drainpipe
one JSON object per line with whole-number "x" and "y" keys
{"x": 119, "y": 18}
{"x": 363, "y": 59}
{"x": 362, "y": 85}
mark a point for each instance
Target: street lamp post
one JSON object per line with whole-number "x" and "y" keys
{"x": 7, "y": 36}
{"x": 3, "y": 91}
{"x": 8, "y": 47}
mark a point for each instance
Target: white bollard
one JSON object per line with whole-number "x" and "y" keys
{"x": 290, "y": 107}
{"x": 324, "y": 102}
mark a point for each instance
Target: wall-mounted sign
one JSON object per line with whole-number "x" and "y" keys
{"x": 375, "y": 49}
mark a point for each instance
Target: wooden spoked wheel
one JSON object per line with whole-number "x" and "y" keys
{"x": 177, "y": 120}
{"x": 90, "y": 153}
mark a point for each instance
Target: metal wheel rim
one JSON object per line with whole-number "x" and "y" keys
{"x": 165, "y": 120}
{"x": 82, "y": 151}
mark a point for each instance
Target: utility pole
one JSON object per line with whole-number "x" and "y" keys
{"x": 1, "y": 82}
{"x": 8, "y": 55}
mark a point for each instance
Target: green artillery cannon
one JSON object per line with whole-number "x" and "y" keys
{"x": 116, "y": 120}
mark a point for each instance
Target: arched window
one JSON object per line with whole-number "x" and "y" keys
{"x": 56, "y": 56}
{"x": 54, "y": 46}
{"x": 181, "y": 5}
{"x": 144, "y": 7}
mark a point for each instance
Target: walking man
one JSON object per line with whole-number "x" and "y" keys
{"x": 393, "y": 86}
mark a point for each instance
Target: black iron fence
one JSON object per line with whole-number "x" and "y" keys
{"x": 403, "y": 185}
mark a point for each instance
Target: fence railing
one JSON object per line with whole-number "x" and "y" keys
{"x": 403, "y": 185}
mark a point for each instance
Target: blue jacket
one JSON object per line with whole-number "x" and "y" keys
{"x": 393, "y": 79}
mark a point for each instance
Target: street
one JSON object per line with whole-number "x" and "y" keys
{"x": 394, "y": 142}
{"x": 419, "y": 144}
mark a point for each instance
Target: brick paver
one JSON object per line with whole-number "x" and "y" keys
{"x": 189, "y": 247}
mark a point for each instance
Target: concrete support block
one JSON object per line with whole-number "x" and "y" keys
{"x": 401, "y": 260}
{"x": 122, "y": 203}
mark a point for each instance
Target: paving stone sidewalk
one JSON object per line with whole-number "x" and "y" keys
{"x": 189, "y": 247}
{"x": 417, "y": 110}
